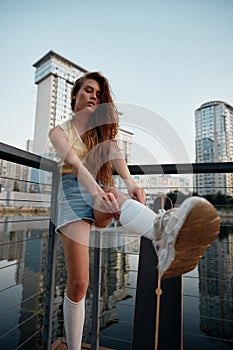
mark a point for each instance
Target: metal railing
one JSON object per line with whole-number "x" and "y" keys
{"x": 18, "y": 156}
{"x": 144, "y": 319}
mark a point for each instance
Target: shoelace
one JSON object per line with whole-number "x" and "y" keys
{"x": 161, "y": 221}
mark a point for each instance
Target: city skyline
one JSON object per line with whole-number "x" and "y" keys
{"x": 163, "y": 57}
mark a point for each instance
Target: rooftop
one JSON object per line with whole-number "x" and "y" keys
{"x": 51, "y": 54}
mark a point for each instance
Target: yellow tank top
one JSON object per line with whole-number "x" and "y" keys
{"x": 75, "y": 142}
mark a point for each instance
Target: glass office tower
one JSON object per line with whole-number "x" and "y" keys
{"x": 214, "y": 143}
{"x": 54, "y": 77}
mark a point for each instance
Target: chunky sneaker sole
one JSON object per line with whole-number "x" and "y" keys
{"x": 187, "y": 232}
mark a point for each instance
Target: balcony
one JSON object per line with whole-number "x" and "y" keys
{"x": 196, "y": 309}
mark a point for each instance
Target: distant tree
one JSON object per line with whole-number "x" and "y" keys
{"x": 173, "y": 196}
{"x": 210, "y": 198}
{"x": 194, "y": 194}
{"x": 229, "y": 200}
{"x": 220, "y": 198}
{"x": 177, "y": 197}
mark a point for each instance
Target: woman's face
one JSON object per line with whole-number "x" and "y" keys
{"x": 88, "y": 96}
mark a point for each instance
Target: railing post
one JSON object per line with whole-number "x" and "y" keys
{"x": 96, "y": 292}
{"x": 170, "y": 317}
{"x": 51, "y": 265}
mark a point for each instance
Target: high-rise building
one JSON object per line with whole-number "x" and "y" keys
{"x": 125, "y": 143}
{"x": 214, "y": 143}
{"x": 54, "y": 77}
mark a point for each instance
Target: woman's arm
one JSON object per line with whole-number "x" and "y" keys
{"x": 69, "y": 156}
{"x": 122, "y": 169}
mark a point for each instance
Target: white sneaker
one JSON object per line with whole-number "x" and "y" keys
{"x": 183, "y": 234}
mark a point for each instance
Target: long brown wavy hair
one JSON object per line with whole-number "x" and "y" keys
{"x": 102, "y": 129}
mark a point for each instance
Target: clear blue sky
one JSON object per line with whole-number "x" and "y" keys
{"x": 168, "y": 56}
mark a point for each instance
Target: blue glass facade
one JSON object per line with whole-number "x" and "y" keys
{"x": 213, "y": 143}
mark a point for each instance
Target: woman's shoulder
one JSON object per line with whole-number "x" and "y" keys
{"x": 65, "y": 126}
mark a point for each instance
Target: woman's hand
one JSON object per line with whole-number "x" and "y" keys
{"x": 107, "y": 203}
{"x": 133, "y": 189}
{"x": 136, "y": 192}
{"x": 110, "y": 189}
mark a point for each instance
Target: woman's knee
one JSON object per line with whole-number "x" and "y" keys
{"x": 120, "y": 196}
{"x": 78, "y": 287}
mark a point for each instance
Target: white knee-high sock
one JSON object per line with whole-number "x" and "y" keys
{"x": 137, "y": 218}
{"x": 74, "y": 314}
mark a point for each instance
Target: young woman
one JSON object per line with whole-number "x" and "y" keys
{"x": 87, "y": 149}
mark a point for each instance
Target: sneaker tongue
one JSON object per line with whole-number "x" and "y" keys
{"x": 168, "y": 221}
{"x": 175, "y": 221}
{"x": 161, "y": 222}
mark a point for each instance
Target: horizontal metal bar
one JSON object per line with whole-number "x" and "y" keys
{"x": 188, "y": 168}
{"x": 211, "y": 338}
{"x": 20, "y": 324}
{"x": 23, "y": 220}
{"x": 30, "y": 338}
{"x": 24, "y": 180}
{"x": 19, "y": 304}
{"x": 35, "y": 275}
{"x": 20, "y": 156}
{"x": 24, "y": 200}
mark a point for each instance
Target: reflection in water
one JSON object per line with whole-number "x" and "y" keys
{"x": 22, "y": 260}
{"x": 216, "y": 287}
{"x": 23, "y": 256}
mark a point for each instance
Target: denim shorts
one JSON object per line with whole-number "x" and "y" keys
{"x": 74, "y": 202}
